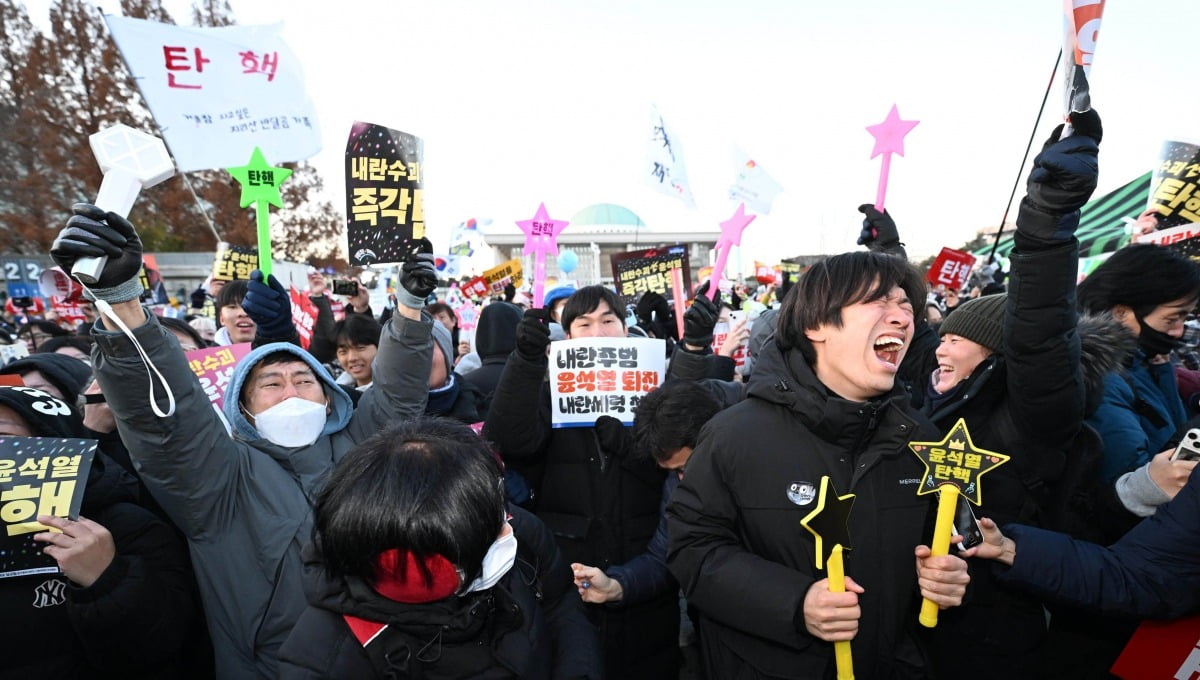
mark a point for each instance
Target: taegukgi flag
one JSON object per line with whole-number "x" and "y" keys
{"x": 216, "y": 93}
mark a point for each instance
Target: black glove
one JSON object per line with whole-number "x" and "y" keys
{"x": 269, "y": 305}
{"x": 700, "y": 319}
{"x": 614, "y": 438}
{"x": 533, "y": 334}
{"x": 92, "y": 232}
{"x": 199, "y": 297}
{"x": 1063, "y": 177}
{"x": 418, "y": 276}
{"x": 879, "y": 229}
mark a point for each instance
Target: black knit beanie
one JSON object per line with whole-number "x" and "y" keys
{"x": 980, "y": 320}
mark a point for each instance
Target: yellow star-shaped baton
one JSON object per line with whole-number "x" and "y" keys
{"x": 955, "y": 460}
{"x": 829, "y": 521}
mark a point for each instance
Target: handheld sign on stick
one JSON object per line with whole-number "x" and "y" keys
{"x": 541, "y": 238}
{"x": 131, "y": 160}
{"x": 889, "y": 139}
{"x": 829, "y": 523}
{"x": 260, "y": 185}
{"x": 952, "y": 465}
{"x": 731, "y": 235}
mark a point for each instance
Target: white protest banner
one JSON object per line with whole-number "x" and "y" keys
{"x": 593, "y": 377}
{"x": 664, "y": 162}
{"x": 217, "y": 93}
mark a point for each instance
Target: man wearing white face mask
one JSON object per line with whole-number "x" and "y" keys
{"x": 243, "y": 503}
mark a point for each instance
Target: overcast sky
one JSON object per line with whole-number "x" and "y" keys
{"x": 548, "y": 100}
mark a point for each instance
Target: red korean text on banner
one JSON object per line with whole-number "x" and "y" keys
{"x": 304, "y": 316}
{"x": 476, "y": 289}
{"x": 951, "y": 269}
{"x": 214, "y": 366}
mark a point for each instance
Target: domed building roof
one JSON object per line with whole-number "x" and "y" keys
{"x": 608, "y": 214}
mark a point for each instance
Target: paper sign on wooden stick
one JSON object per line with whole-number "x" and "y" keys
{"x": 131, "y": 160}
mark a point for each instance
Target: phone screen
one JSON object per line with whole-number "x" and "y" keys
{"x": 966, "y": 525}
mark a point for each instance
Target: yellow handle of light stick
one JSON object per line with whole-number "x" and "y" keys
{"x": 837, "y": 584}
{"x": 947, "y": 501}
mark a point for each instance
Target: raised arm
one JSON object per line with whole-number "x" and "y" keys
{"x": 184, "y": 456}
{"x": 1041, "y": 343}
{"x": 400, "y": 387}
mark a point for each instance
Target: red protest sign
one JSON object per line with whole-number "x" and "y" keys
{"x": 1161, "y": 649}
{"x": 951, "y": 268}
{"x": 304, "y": 315}
{"x": 214, "y": 366}
{"x": 476, "y": 289}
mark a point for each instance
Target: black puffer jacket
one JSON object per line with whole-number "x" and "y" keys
{"x": 529, "y": 625}
{"x": 140, "y": 619}
{"x": 741, "y": 554}
{"x": 600, "y": 501}
{"x": 1025, "y": 401}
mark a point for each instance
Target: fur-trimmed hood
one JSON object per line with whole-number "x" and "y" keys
{"x": 1105, "y": 346}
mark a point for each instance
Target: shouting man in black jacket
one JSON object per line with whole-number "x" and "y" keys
{"x": 823, "y": 402}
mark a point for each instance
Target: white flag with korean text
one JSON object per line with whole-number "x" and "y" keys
{"x": 664, "y": 161}
{"x": 216, "y": 93}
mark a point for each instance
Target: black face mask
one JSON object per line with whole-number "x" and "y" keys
{"x": 1154, "y": 342}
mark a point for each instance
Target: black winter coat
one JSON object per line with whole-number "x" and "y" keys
{"x": 529, "y": 625}
{"x": 140, "y": 619}
{"x": 741, "y": 554}
{"x": 602, "y": 504}
{"x": 1025, "y": 401}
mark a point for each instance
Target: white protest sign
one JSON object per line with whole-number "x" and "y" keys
{"x": 131, "y": 160}
{"x": 217, "y": 93}
{"x": 593, "y": 377}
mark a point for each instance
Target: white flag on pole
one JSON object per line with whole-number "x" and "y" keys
{"x": 216, "y": 93}
{"x": 664, "y": 162}
{"x": 754, "y": 187}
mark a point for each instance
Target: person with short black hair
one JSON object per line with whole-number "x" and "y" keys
{"x": 235, "y": 324}
{"x": 601, "y": 502}
{"x": 414, "y": 549}
{"x": 824, "y": 402}
{"x": 357, "y": 341}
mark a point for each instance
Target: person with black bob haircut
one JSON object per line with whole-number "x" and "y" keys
{"x": 418, "y": 569}
{"x": 1150, "y": 290}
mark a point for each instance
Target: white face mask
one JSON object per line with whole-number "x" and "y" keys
{"x": 496, "y": 563}
{"x": 292, "y": 422}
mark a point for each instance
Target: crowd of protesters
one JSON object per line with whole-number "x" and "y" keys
{"x": 392, "y": 499}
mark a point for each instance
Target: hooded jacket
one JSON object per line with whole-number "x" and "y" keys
{"x": 529, "y": 625}
{"x": 495, "y": 339}
{"x": 244, "y": 503}
{"x": 737, "y": 546}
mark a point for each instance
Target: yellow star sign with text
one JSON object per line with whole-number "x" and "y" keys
{"x": 955, "y": 460}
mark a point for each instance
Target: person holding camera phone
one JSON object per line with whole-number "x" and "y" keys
{"x": 1009, "y": 365}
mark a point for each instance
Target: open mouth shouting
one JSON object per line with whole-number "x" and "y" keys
{"x": 888, "y": 349}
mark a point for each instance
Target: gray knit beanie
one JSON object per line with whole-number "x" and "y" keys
{"x": 980, "y": 320}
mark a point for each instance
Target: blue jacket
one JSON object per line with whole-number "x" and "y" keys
{"x": 1152, "y": 572}
{"x": 1138, "y": 415}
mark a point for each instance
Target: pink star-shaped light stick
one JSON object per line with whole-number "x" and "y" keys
{"x": 889, "y": 139}
{"x": 731, "y": 235}
{"x": 541, "y": 238}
